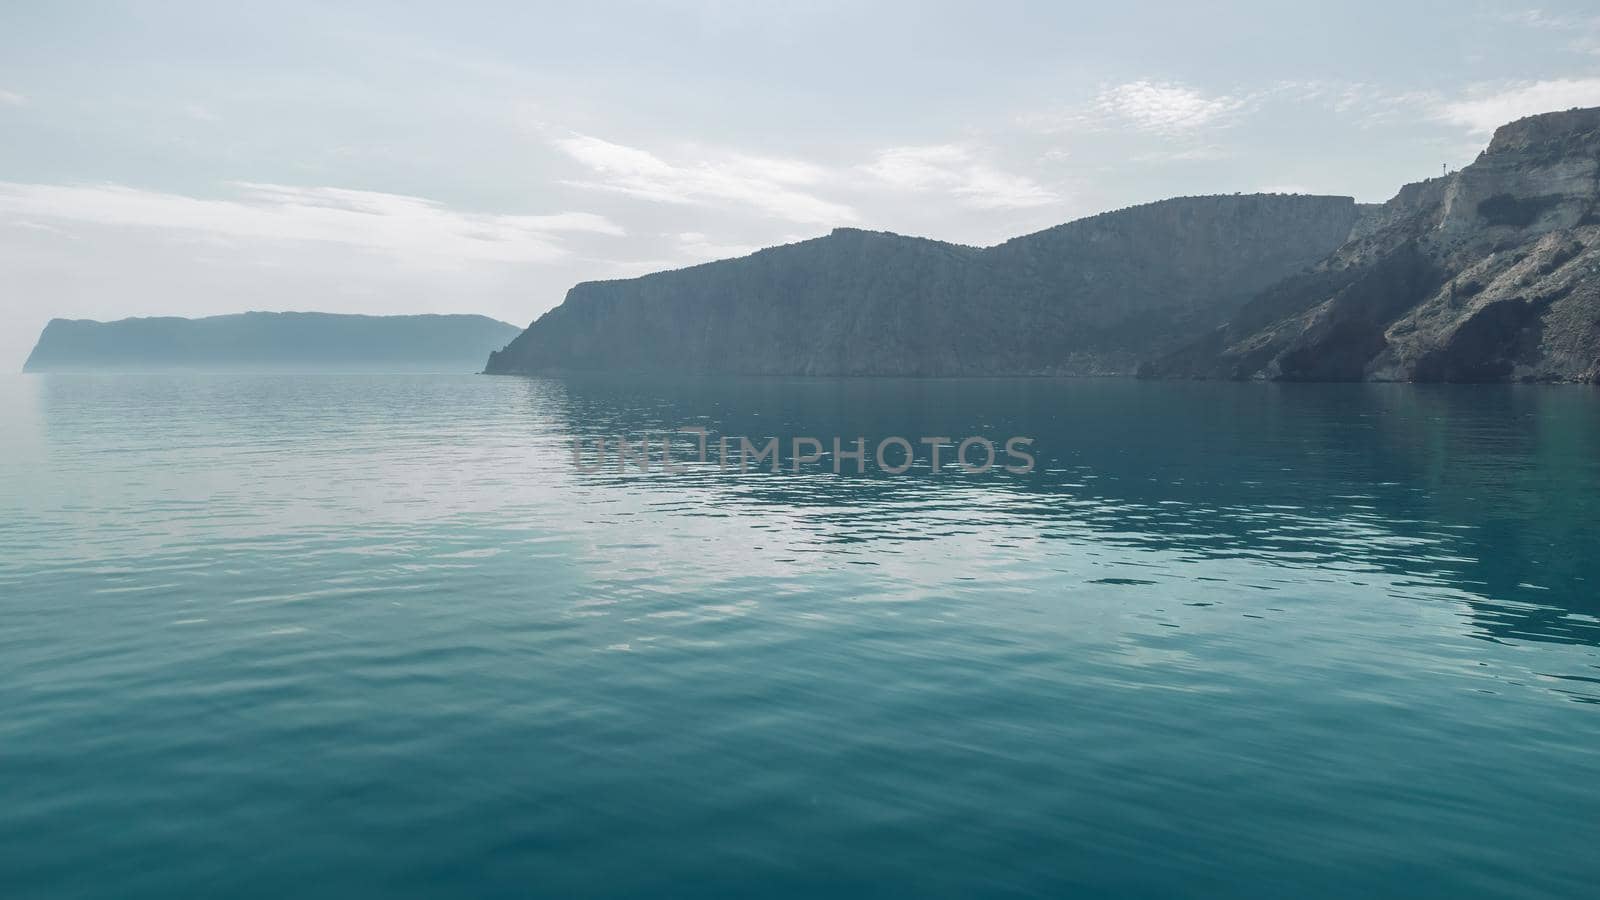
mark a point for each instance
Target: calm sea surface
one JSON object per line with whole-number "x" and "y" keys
{"x": 365, "y": 635}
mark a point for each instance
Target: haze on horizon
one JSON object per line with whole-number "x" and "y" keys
{"x": 482, "y": 158}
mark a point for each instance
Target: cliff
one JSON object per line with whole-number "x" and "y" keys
{"x": 261, "y": 339}
{"x": 1094, "y": 296}
{"x": 1488, "y": 274}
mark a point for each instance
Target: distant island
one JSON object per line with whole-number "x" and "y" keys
{"x": 1491, "y": 273}
{"x": 270, "y": 340}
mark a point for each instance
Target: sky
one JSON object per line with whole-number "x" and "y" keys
{"x": 167, "y": 158}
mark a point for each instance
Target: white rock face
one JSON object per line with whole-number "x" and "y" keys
{"x": 1489, "y": 274}
{"x": 1553, "y": 193}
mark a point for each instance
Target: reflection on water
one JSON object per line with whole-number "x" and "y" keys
{"x": 1489, "y": 490}
{"x": 377, "y": 634}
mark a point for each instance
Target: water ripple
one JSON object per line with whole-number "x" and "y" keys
{"x": 378, "y": 635}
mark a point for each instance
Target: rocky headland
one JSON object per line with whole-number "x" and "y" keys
{"x": 268, "y": 339}
{"x": 1491, "y": 273}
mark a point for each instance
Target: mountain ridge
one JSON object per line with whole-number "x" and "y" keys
{"x": 860, "y": 302}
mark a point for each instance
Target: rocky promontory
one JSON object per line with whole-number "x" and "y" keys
{"x": 1491, "y": 273}
{"x": 270, "y": 339}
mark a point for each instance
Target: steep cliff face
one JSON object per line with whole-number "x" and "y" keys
{"x": 262, "y": 339}
{"x": 1094, "y": 296}
{"x": 1489, "y": 274}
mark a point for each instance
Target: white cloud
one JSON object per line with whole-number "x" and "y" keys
{"x": 1181, "y": 117}
{"x": 1583, "y": 32}
{"x": 1166, "y": 108}
{"x": 41, "y": 227}
{"x": 698, "y": 247}
{"x": 1480, "y": 109}
{"x": 1538, "y": 18}
{"x": 200, "y": 113}
{"x": 684, "y": 249}
{"x": 919, "y": 168}
{"x": 11, "y": 98}
{"x": 1196, "y": 153}
{"x": 406, "y": 227}
{"x": 606, "y": 269}
{"x": 772, "y": 186}
{"x": 1488, "y": 108}
{"x": 681, "y": 249}
{"x": 959, "y": 171}
{"x": 1367, "y": 103}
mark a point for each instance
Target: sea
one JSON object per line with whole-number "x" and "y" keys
{"x": 335, "y": 634}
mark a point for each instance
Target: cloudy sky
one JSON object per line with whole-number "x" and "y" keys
{"x": 188, "y": 159}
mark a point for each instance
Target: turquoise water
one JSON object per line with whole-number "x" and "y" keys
{"x": 344, "y": 635}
